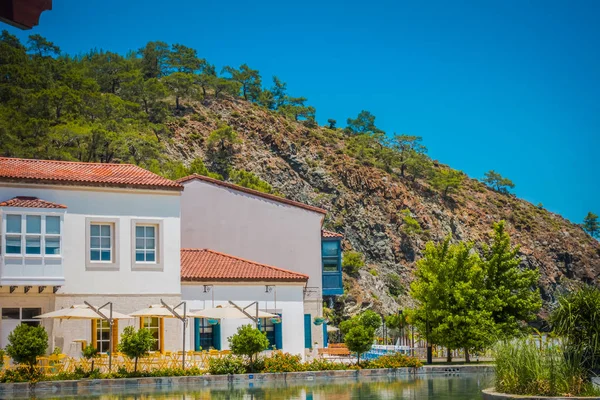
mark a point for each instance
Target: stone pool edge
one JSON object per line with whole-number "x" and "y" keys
{"x": 490, "y": 394}
{"x": 86, "y": 386}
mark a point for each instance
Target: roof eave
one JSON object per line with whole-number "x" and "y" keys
{"x": 44, "y": 181}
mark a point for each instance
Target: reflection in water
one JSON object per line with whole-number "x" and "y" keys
{"x": 465, "y": 387}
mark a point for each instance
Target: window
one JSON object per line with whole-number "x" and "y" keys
{"x": 153, "y": 325}
{"x": 330, "y": 267}
{"x": 204, "y": 334}
{"x": 331, "y": 248}
{"x": 30, "y": 234}
{"x": 101, "y": 242}
{"x": 267, "y": 326}
{"x": 145, "y": 243}
{"x": 13, "y": 234}
{"x": 102, "y": 335}
{"x": 52, "y": 235}
{"x": 33, "y": 239}
{"x": 25, "y": 315}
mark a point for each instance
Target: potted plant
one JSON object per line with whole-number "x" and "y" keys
{"x": 212, "y": 321}
{"x": 276, "y": 320}
{"x": 318, "y": 321}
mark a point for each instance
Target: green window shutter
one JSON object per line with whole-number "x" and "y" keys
{"x": 278, "y": 334}
{"x": 216, "y": 331}
{"x": 307, "y": 332}
{"x": 325, "y": 337}
{"x": 197, "y": 334}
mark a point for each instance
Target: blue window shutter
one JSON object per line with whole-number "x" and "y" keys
{"x": 197, "y": 334}
{"x": 307, "y": 333}
{"x": 216, "y": 332}
{"x": 325, "y": 337}
{"x": 278, "y": 334}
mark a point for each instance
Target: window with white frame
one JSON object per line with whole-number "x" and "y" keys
{"x": 33, "y": 235}
{"x": 145, "y": 243}
{"x": 153, "y": 325}
{"x": 102, "y": 336}
{"x": 101, "y": 242}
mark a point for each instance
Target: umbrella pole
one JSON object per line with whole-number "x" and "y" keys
{"x": 183, "y": 319}
{"x": 110, "y": 339}
{"x": 184, "y": 326}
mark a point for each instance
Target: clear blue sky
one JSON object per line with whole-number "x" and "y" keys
{"x": 509, "y": 85}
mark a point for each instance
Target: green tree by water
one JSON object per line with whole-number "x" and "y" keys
{"x": 511, "y": 292}
{"x": 248, "y": 341}
{"x": 26, "y": 343}
{"x": 135, "y": 344}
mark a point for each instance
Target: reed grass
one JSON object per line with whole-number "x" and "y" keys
{"x": 530, "y": 366}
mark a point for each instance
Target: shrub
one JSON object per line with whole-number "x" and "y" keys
{"x": 410, "y": 224}
{"x": 135, "y": 344}
{"x": 248, "y": 341}
{"x": 90, "y": 353}
{"x": 577, "y": 321}
{"x": 396, "y": 360}
{"x": 319, "y": 364}
{"x": 522, "y": 367}
{"x": 373, "y": 272}
{"x": 21, "y": 374}
{"x": 226, "y": 365}
{"x": 26, "y": 343}
{"x": 283, "y": 362}
{"x": 352, "y": 262}
{"x": 1, "y": 358}
{"x": 394, "y": 284}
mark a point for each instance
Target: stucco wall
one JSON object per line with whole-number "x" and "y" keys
{"x": 289, "y": 304}
{"x": 251, "y": 227}
{"x": 124, "y": 205}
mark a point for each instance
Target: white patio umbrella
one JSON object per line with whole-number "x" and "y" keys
{"x": 79, "y": 311}
{"x": 164, "y": 310}
{"x": 87, "y": 311}
{"x": 232, "y": 312}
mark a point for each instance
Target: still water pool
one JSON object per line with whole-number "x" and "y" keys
{"x": 463, "y": 387}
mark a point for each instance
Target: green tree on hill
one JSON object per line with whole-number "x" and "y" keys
{"x": 155, "y": 59}
{"x": 331, "y": 123}
{"x": 181, "y": 85}
{"x": 363, "y": 123}
{"x": 446, "y": 180}
{"x": 249, "y": 80}
{"x": 184, "y": 59}
{"x": 408, "y": 148}
{"x": 591, "y": 225}
{"x": 498, "y": 182}
{"x": 278, "y": 90}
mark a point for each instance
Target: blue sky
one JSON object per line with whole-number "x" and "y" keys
{"x": 509, "y": 85}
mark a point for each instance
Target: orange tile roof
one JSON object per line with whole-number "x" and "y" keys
{"x": 252, "y": 192}
{"x": 329, "y": 234}
{"x": 82, "y": 174}
{"x": 30, "y": 202}
{"x": 203, "y": 265}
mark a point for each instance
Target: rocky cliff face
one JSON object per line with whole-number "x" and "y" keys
{"x": 365, "y": 203}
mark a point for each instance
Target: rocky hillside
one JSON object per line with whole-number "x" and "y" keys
{"x": 365, "y": 203}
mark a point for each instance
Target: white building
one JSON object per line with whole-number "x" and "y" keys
{"x": 260, "y": 227}
{"x": 211, "y": 279}
{"x": 81, "y": 231}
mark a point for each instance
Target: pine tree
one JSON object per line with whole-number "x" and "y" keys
{"x": 511, "y": 293}
{"x": 591, "y": 225}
